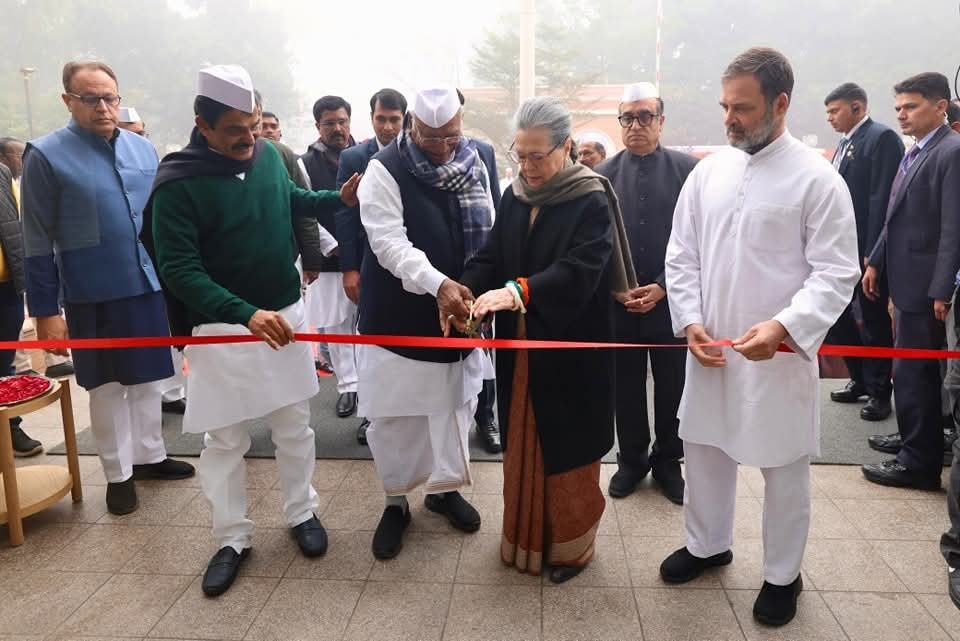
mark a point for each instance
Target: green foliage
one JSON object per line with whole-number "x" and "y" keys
{"x": 155, "y": 47}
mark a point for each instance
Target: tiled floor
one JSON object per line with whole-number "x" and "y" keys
{"x": 872, "y": 570}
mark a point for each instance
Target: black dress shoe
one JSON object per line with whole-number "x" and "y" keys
{"x": 362, "y": 432}
{"x": 895, "y": 474}
{"x": 461, "y": 514}
{"x": 23, "y": 445}
{"x": 625, "y": 479}
{"x": 222, "y": 570}
{"x": 122, "y": 497}
{"x": 311, "y": 537}
{"x": 563, "y": 573}
{"x": 888, "y": 443}
{"x": 670, "y": 479}
{"x": 60, "y": 370}
{"x": 388, "y": 539}
{"x": 777, "y": 604}
{"x": 165, "y": 470}
{"x": 953, "y": 585}
{"x": 852, "y": 393}
{"x": 490, "y": 436}
{"x": 875, "y": 409}
{"x": 178, "y": 406}
{"x": 681, "y": 566}
{"x": 346, "y": 404}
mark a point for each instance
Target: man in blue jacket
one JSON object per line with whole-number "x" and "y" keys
{"x": 84, "y": 189}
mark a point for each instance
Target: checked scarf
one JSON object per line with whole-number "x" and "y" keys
{"x": 466, "y": 177}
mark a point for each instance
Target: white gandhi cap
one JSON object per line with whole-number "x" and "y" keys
{"x": 639, "y": 91}
{"x": 437, "y": 106}
{"x": 129, "y": 115}
{"x": 229, "y": 85}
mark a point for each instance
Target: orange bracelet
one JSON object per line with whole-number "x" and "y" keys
{"x": 525, "y": 289}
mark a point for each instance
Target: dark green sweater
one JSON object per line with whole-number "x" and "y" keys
{"x": 223, "y": 243}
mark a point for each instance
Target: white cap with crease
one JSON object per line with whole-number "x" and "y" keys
{"x": 639, "y": 91}
{"x": 229, "y": 85}
{"x": 437, "y": 106}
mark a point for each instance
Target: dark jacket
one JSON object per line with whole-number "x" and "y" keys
{"x": 323, "y": 175}
{"x": 868, "y": 167}
{"x": 648, "y": 188}
{"x": 305, "y": 233}
{"x": 11, "y": 235}
{"x": 566, "y": 259}
{"x": 350, "y": 233}
{"x": 919, "y": 246}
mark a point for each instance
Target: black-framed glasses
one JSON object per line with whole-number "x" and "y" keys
{"x": 644, "y": 118}
{"x": 535, "y": 157}
{"x": 111, "y": 100}
{"x": 330, "y": 124}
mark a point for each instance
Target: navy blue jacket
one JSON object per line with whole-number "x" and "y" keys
{"x": 350, "y": 234}
{"x": 919, "y": 246}
{"x": 869, "y": 166}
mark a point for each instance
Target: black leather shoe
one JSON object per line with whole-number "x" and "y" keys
{"x": 122, "y": 497}
{"x": 563, "y": 573}
{"x": 670, "y": 479}
{"x": 311, "y": 537}
{"x": 178, "y": 406}
{"x": 490, "y": 437}
{"x": 777, "y": 604}
{"x": 895, "y": 474}
{"x": 165, "y": 470}
{"x": 23, "y": 445}
{"x": 875, "y": 409}
{"x": 362, "y": 432}
{"x": 60, "y": 370}
{"x": 681, "y": 566}
{"x": 461, "y": 514}
{"x": 888, "y": 443}
{"x": 953, "y": 585}
{"x": 625, "y": 480}
{"x": 388, "y": 539}
{"x": 852, "y": 393}
{"x": 222, "y": 570}
{"x": 346, "y": 404}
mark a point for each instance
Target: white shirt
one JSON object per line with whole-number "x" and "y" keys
{"x": 767, "y": 236}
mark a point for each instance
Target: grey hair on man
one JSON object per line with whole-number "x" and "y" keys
{"x": 545, "y": 112}
{"x": 770, "y": 67}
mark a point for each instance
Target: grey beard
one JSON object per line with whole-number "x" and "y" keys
{"x": 759, "y": 137}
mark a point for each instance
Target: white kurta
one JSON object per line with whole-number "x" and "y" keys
{"x": 767, "y": 236}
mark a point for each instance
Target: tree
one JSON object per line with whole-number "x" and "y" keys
{"x": 155, "y": 49}
{"x": 496, "y": 64}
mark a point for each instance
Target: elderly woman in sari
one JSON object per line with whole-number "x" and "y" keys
{"x": 554, "y": 257}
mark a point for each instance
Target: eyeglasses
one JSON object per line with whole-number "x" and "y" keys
{"x": 109, "y": 99}
{"x": 534, "y": 158}
{"x": 330, "y": 124}
{"x": 436, "y": 141}
{"x": 644, "y": 118}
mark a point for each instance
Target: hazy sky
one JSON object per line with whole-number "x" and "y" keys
{"x": 424, "y": 42}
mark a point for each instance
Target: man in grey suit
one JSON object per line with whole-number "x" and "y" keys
{"x": 919, "y": 252}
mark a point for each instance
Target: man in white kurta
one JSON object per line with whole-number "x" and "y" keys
{"x": 763, "y": 250}
{"x": 426, "y": 206}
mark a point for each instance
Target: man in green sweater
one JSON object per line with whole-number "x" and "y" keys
{"x": 221, "y": 223}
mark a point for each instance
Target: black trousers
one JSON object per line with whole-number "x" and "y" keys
{"x": 669, "y": 371}
{"x": 917, "y": 393}
{"x": 872, "y": 330}
{"x": 11, "y": 321}
{"x": 950, "y": 541}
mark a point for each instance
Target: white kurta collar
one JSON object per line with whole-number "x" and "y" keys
{"x": 771, "y": 150}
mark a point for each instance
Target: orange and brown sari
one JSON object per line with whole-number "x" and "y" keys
{"x": 552, "y": 519}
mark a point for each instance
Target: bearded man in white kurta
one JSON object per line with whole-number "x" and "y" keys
{"x": 763, "y": 251}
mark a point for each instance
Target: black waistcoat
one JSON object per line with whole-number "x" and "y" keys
{"x": 434, "y": 225}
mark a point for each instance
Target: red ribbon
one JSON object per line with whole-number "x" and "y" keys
{"x": 449, "y": 343}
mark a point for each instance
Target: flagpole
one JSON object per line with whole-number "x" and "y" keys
{"x": 659, "y": 39}
{"x": 528, "y": 21}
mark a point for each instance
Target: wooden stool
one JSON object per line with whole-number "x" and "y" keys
{"x": 32, "y": 488}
